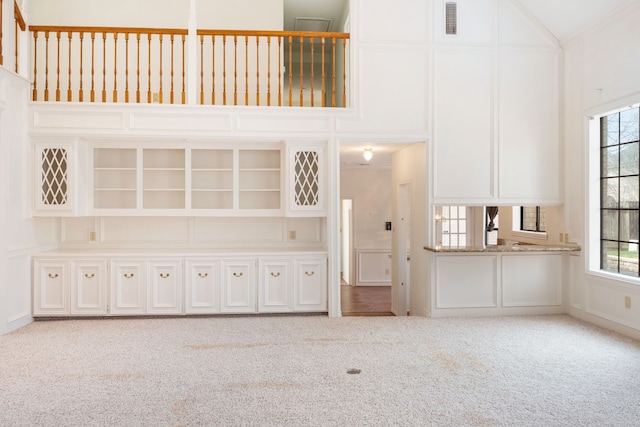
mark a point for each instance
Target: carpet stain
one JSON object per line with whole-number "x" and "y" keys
{"x": 181, "y": 407}
{"x": 457, "y": 362}
{"x": 122, "y": 377}
{"x": 261, "y": 385}
{"x": 224, "y": 346}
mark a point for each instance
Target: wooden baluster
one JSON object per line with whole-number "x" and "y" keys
{"x": 161, "y": 37}
{"x": 224, "y": 70}
{"x": 115, "y": 67}
{"x": 201, "y": 69}
{"x": 246, "y": 70}
{"x": 257, "y": 70}
{"x": 344, "y": 72}
{"x": 290, "y": 71}
{"x": 311, "y": 40}
{"x": 172, "y": 48}
{"x": 333, "y": 73}
{"x": 46, "y": 66}
{"x": 69, "y": 92}
{"x": 34, "y": 95}
{"x": 138, "y": 70}
{"x": 104, "y": 66}
{"x": 213, "y": 69}
{"x": 235, "y": 70}
{"x": 301, "y": 71}
{"x": 184, "y": 94}
{"x": 268, "y": 71}
{"x": 323, "y": 76}
{"x": 58, "y": 66}
{"x": 93, "y": 92}
{"x": 279, "y": 73}
{"x": 126, "y": 68}
{"x": 148, "y": 68}
{"x": 20, "y": 26}
{"x": 80, "y": 91}
{"x": 1, "y": 59}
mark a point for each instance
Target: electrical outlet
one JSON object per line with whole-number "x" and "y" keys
{"x": 156, "y": 97}
{"x": 566, "y": 237}
{"x": 627, "y": 302}
{"x": 292, "y": 234}
{"x": 561, "y": 238}
{"x": 92, "y": 236}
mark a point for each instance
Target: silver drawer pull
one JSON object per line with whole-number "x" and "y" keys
{"x": 309, "y": 273}
{"x": 89, "y": 276}
{"x": 53, "y": 276}
{"x": 203, "y": 274}
{"x": 237, "y": 274}
{"x": 164, "y": 275}
{"x": 128, "y": 275}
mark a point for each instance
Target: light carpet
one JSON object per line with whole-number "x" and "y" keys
{"x": 303, "y": 371}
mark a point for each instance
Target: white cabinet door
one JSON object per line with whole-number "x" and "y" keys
{"x": 310, "y": 284}
{"x": 128, "y": 287}
{"x": 202, "y": 290}
{"x": 239, "y": 286}
{"x": 274, "y": 288}
{"x": 51, "y": 288}
{"x": 57, "y": 187}
{"x": 164, "y": 293}
{"x": 306, "y": 180}
{"x": 89, "y": 287}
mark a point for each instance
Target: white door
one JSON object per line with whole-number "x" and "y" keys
{"x": 128, "y": 287}
{"x": 89, "y": 287}
{"x": 203, "y": 286}
{"x": 402, "y": 231}
{"x": 239, "y": 286}
{"x": 274, "y": 289}
{"x": 165, "y": 287}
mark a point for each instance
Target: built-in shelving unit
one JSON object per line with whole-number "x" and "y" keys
{"x": 114, "y": 178}
{"x": 163, "y": 178}
{"x": 259, "y": 179}
{"x": 211, "y": 179}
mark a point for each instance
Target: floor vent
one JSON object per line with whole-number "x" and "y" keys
{"x": 451, "y": 18}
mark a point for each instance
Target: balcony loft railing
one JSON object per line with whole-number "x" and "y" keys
{"x": 20, "y": 26}
{"x": 144, "y": 65}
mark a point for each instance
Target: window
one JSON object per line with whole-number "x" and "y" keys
{"x": 620, "y": 191}
{"x": 452, "y": 226}
{"x": 533, "y": 218}
{"x": 492, "y": 218}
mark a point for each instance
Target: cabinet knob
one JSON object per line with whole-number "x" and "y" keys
{"x": 237, "y": 274}
{"x": 164, "y": 275}
{"x": 309, "y": 273}
{"x": 128, "y": 275}
{"x": 203, "y": 274}
{"x": 52, "y": 275}
{"x": 275, "y": 274}
{"x": 89, "y": 276}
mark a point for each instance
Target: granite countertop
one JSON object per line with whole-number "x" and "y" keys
{"x": 506, "y": 248}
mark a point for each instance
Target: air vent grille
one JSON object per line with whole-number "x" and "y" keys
{"x": 451, "y": 18}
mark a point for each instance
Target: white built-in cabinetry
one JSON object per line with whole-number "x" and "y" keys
{"x": 494, "y": 283}
{"x": 178, "y": 178}
{"x": 101, "y": 284}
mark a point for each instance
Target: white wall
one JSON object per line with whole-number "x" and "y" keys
{"x": 20, "y": 235}
{"x": 601, "y": 74}
{"x": 371, "y": 194}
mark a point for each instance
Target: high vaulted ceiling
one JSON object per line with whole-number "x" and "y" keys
{"x": 564, "y": 19}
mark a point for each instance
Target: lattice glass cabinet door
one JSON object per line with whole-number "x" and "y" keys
{"x": 307, "y": 174}
{"x": 53, "y": 164}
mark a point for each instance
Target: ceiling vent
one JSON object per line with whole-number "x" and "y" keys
{"x": 313, "y": 24}
{"x": 451, "y": 18}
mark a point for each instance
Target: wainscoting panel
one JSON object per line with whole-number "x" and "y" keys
{"x": 373, "y": 267}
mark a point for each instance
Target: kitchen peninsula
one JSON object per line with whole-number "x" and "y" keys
{"x": 507, "y": 279}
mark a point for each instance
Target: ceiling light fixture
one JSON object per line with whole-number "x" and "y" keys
{"x": 367, "y": 154}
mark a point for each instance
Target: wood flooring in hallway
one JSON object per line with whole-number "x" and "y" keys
{"x": 366, "y": 300}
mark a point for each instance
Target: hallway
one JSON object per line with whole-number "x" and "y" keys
{"x": 365, "y": 300}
